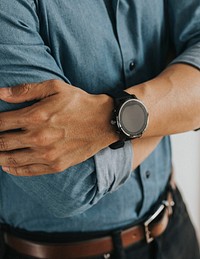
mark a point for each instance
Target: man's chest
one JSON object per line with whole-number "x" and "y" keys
{"x": 94, "y": 38}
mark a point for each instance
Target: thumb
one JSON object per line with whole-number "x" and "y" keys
{"x": 30, "y": 92}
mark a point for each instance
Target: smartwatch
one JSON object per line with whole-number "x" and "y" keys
{"x": 129, "y": 117}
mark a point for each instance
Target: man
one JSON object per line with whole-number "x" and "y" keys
{"x": 70, "y": 134}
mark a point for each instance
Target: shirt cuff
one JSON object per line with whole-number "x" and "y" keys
{"x": 190, "y": 56}
{"x": 113, "y": 167}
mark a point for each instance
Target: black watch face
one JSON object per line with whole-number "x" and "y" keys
{"x": 133, "y": 118}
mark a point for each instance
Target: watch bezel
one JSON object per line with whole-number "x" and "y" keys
{"x": 120, "y": 125}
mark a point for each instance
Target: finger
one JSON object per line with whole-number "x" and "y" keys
{"x": 19, "y": 158}
{"x": 31, "y": 170}
{"x": 29, "y": 92}
{"x": 44, "y": 138}
{"x": 13, "y": 120}
{"x": 24, "y": 118}
{"x": 13, "y": 141}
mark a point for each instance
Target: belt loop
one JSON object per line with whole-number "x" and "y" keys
{"x": 119, "y": 252}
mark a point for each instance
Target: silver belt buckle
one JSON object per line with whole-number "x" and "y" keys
{"x": 149, "y": 237}
{"x": 165, "y": 204}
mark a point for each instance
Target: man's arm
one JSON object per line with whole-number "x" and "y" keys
{"x": 25, "y": 58}
{"x": 55, "y": 137}
{"x": 173, "y": 100}
{"x": 176, "y": 111}
{"x": 70, "y": 178}
{"x": 173, "y": 97}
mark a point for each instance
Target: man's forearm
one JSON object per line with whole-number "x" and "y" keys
{"x": 173, "y": 100}
{"x": 143, "y": 148}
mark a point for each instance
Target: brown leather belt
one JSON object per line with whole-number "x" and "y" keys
{"x": 154, "y": 226}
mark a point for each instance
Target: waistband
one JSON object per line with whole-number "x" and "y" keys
{"x": 153, "y": 226}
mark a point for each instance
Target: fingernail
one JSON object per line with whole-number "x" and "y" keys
{"x": 5, "y": 168}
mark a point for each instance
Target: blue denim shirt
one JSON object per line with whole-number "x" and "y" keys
{"x": 91, "y": 44}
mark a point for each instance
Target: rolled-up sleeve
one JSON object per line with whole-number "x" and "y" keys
{"x": 24, "y": 58}
{"x": 184, "y": 23}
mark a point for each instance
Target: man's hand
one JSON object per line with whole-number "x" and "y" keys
{"x": 64, "y": 127}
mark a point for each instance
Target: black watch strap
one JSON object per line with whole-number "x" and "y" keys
{"x": 117, "y": 144}
{"x": 130, "y": 117}
{"x": 119, "y": 96}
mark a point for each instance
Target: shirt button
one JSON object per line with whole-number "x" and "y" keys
{"x": 148, "y": 173}
{"x": 132, "y": 65}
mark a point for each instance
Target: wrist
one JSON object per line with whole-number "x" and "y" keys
{"x": 107, "y": 134}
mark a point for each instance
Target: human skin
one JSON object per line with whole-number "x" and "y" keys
{"x": 67, "y": 125}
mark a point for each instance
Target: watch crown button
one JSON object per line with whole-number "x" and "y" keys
{"x": 113, "y": 122}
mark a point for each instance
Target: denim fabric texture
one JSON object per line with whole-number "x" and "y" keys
{"x": 96, "y": 45}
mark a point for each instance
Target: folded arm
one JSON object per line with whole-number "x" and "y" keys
{"x": 173, "y": 97}
{"x": 84, "y": 183}
{"x": 25, "y": 58}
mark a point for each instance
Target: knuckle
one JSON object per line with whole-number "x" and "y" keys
{"x": 11, "y": 161}
{"x": 56, "y": 85}
{"x": 35, "y": 140}
{"x": 2, "y": 123}
{"x": 50, "y": 156}
{"x": 3, "y": 144}
{"x": 57, "y": 167}
{"x": 26, "y": 88}
{"x": 41, "y": 139}
{"x": 22, "y": 89}
{"x": 26, "y": 171}
{"x": 21, "y": 171}
{"x": 38, "y": 117}
{"x": 15, "y": 171}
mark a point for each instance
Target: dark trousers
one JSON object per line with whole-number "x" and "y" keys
{"x": 177, "y": 242}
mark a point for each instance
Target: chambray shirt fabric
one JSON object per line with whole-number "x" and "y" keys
{"x": 91, "y": 44}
